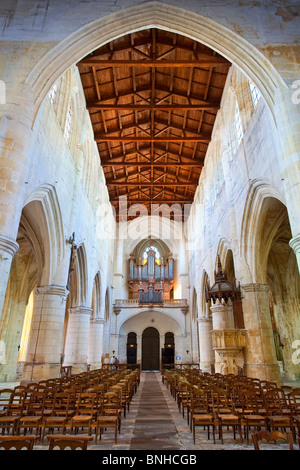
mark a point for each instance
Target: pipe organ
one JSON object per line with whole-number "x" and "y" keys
{"x": 151, "y": 280}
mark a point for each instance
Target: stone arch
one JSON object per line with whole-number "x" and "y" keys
{"x": 96, "y": 296}
{"x": 194, "y": 305}
{"x": 258, "y": 192}
{"x": 107, "y": 305}
{"x": 205, "y": 312}
{"x": 46, "y": 203}
{"x": 276, "y": 270}
{"x": 82, "y": 275}
{"x": 155, "y": 14}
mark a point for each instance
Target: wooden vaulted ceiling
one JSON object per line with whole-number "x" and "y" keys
{"x": 153, "y": 97}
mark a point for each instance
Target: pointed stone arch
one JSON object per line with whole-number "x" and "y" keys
{"x": 46, "y": 202}
{"x": 157, "y": 15}
{"x": 258, "y": 192}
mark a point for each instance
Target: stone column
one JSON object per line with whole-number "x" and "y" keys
{"x": 46, "y": 336}
{"x": 260, "y": 358}
{"x": 287, "y": 122}
{"x": 227, "y": 341}
{"x": 205, "y": 342}
{"x": 95, "y": 349}
{"x": 77, "y": 339}
{"x": 222, "y": 316}
{"x": 8, "y": 248}
{"x": 295, "y": 245}
{"x": 15, "y": 146}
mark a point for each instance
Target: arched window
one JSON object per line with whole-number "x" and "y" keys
{"x": 52, "y": 93}
{"x": 255, "y": 93}
{"x": 68, "y": 125}
{"x": 157, "y": 253}
{"x": 237, "y": 126}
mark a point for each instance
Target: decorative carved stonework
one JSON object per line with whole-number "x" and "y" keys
{"x": 229, "y": 348}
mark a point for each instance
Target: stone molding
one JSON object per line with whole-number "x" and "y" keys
{"x": 204, "y": 320}
{"x": 8, "y": 245}
{"x": 80, "y": 311}
{"x": 295, "y": 244}
{"x": 98, "y": 321}
{"x": 52, "y": 290}
{"x": 255, "y": 287}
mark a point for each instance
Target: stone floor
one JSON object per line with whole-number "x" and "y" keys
{"x": 154, "y": 423}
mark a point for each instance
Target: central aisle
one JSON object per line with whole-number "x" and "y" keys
{"x": 154, "y": 427}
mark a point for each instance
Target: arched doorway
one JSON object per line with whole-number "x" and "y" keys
{"x": 150, "y": 349}
{"x": 167, "y": 357}
{"x": 131, "y": 348}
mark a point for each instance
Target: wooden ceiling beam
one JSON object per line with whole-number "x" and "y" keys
{"x": 158, "y": 201}
{"x": 195, "y": 163}
{"x": 104, "y": 138}
{"x": 160, "y": 184}
{"x": 208, "y": 61}
{"x": 154, "y": 107}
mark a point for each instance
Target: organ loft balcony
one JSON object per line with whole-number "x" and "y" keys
{"x": 151, "y": 283}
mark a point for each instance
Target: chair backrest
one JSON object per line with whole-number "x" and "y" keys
{"x": 64, "y": 442}
{"x": 17, "y": 442}
{"x": 37, "y": 403}
{"x": 16, "y": 403}
{"x": 273, "y": 401}
{"x": 249, "y": 401}
{"x": 5, "y": 394}
{"x": 86, "y": 403}
{"x": 273, "y": 436}
{"x": 293, "y": 399}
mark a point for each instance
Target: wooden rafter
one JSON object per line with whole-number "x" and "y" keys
{"x": 153, "y": 97}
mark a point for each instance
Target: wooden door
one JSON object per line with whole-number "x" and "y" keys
{"x": 150, "y": 349}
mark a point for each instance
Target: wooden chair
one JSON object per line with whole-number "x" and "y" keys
{"x": 224, "y": 413}
{"x": 61, "y": 413}
{"x": 17, "y": 442}
{"x": 277, "y": 419}
{"x": 294, "y": 405}
{"x": 84, "y": 412}
{"x": 199, "y": 414}
{"x": 64, "y": 441}
{"x": 250, "y": 412}
{"x": 14, "y": 411}
{"x": 110, "y": 415}
{"x": 32, "y": 415}
{"x": 5, "y": 394}
{"x": 273, "y": 436}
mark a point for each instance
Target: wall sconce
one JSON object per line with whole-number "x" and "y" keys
{"x": 187, "y": 351}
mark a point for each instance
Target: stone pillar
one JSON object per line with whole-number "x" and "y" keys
{"x": 205, "y": 342}
{"x": 295, "y": 245}
{"x": 46, "y": 336}
{"x": 260, "y": 358}
{"x": 222, "y": 316}
{"x": 77, "y": 339}
{"x": 12, "y": 335}
{"x": 95, "y": 349}
{"x": 227, "y": 341}
{"x": 287, "y": 122}
{"x": 8, "y": 248}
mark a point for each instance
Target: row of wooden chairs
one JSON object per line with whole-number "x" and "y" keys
{"x": 94, "y": 402}
{"x": 216, "y": 401}
{"x": 56, "y": 442}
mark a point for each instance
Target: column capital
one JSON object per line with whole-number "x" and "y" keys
{"x": 80, "y": 310}
{"x": 52, "y": 290}
{"x": 204, "y": 319}
{"x": 255, "y": 287}
{"x": 295, "y": 244}
{"x": 8, "y": 246}
{"x": 98, "y": 321}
